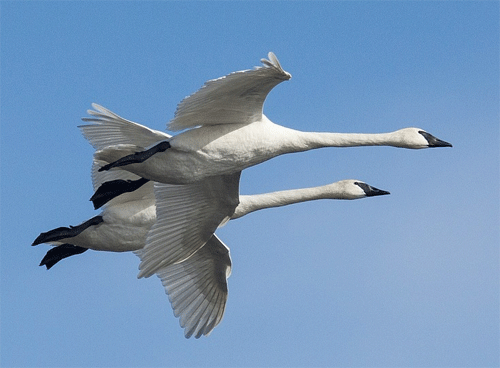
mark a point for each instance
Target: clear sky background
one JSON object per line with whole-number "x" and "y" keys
{"x": 410, "y": 279}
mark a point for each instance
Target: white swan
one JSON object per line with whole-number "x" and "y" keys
{"x": 197, "y": 286}
{"x": 228, "y": 132}
{"x": 125, "y": 221}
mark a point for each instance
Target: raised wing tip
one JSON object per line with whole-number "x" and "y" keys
{"x": 98, "y": 109}
{"x": 273, "y": 62}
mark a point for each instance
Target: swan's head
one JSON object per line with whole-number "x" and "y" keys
{"x": 418, "y": 138}
{"x": 354, "y": 189}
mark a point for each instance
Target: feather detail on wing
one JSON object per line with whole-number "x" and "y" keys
{"x": 197, "y": 287}
{"x": 187, "y": 216}
{"x": 235, "y": 98}
{"x": 110, "y": 129}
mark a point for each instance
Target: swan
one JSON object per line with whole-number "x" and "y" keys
{"x": 225, "y": 131}
{"x": 123, "y": 224}
{"x": 197, "y": 286}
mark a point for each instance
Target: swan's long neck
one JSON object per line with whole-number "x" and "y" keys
{"x": 317, "y": 140}
{"x": 251, "y": 203}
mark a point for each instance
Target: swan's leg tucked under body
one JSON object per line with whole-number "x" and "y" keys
{"x": 114, "y": 188}
{"x": 59, "y": 252}
{"x": 137, "y": 157}
{"x": 66, "y": 232}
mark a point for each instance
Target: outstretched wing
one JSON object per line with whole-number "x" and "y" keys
{"x": 187, "y": 216}
{"x": 109, "y": 129}
{"x": 197, "y": 287}
{"x": 236, "y": 98}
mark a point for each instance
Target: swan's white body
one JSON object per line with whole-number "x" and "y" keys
{"x": 126, "y": 224}
{"x": 221, "y": 150}
{"x": 228, "y": 132}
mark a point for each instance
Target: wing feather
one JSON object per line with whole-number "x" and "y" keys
{"x": 187, "y": 216}
{"x": 110, "y": 129}
{"x": 235, "y": 98}
{"x": 197, "y": 287}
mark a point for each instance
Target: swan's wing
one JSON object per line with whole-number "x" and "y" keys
{"x": 187, "y": 216}
{"x": 197, "y": 287}
{"x": 110, "y": 129}
{"x": 236, "y": 98}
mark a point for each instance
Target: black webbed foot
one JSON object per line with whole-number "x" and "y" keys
{"x": 60, "y": 252}
{"x": 66, "y": 232}
{"x": 111, "y": 189}
{"x": 137, "y": 157}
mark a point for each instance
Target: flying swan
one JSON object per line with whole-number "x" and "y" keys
{"x": 228, "y": 132}
{"x": 197, "y": 286}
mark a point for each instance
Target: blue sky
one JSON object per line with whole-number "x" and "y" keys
{"x": 410, "y": 279}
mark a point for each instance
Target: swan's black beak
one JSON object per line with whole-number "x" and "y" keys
{"x": 371, "y": 191}
{"x": 433, "y": 141}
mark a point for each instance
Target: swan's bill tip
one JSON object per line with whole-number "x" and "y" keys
{"x": 377, "y": 192}
{"x": 434, "y": 141}
{"x": 371, "y": 191}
